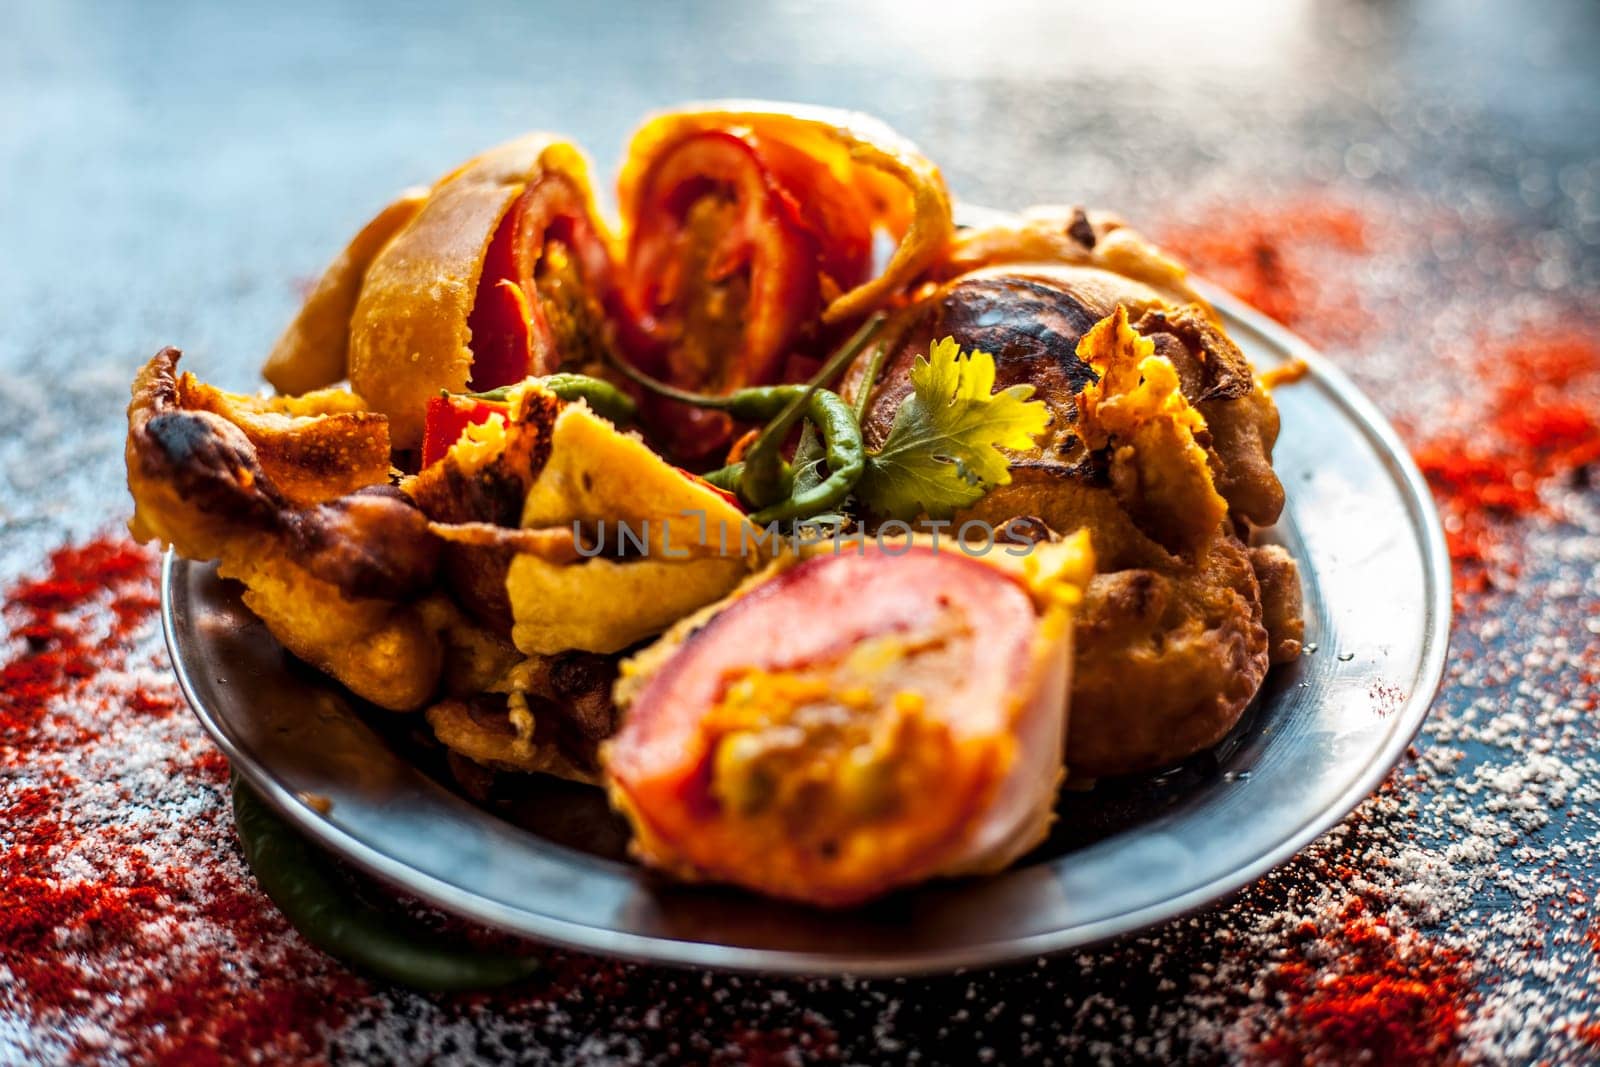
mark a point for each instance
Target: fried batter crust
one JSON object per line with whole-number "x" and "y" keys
{"x": 1173, "y": 636}
{"x": 1167, "y": 660}
{"x": 328, "y": 567}
{"x": 547, "y": 714}
{"x": 1240, "y": 416}
{"x": 487, "y": 486}
{"x": 409, "y": 326}
{"x": 1169, "y": 650}
{"x": 1283, "y": 607}
{"x": 1063, "y": 234}
{"x": 481, "y": 729}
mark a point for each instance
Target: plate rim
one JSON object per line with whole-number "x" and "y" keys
{"x": 663, "y": 950}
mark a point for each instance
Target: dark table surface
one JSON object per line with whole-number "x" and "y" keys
{"x": 1414, "y": 186}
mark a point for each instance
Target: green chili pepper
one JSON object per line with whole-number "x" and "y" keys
{"x": 740, "y": 399}
{"x": 842, "y": 448}
{"x": 868, "y": 380}
{"x": 726, "y": 478}
{"x": 763, "y": 480}
{"x": 846, "y": 456}
{"x": 767, "y": 479}
{"x": 302, "y": 883}
{"x": 605, "y": 398}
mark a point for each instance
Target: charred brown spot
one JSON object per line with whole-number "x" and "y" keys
{"x": 581, "y": 683}
{"x": 1030, "y": 327}
{"x": 1133, "y": 596}
{"x": 211, "y": 465}
{"x": 373, "y": 543}
{"x": 1021, "y": 323}
{"x": 488, "y": 712}
{"x": 1080, "y": 230}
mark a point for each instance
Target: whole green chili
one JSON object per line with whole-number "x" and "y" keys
{"x": 846, "y": 456}
{"x": 605, "y": 398}
{"x": 739, "y": 399}
{"x": 302, "y": 883}
{"x": 843, "y": 450}
{"x": 767, "y": 479}
{"x": 763, "y": 479}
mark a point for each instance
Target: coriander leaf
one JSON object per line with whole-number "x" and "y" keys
{"x": 809, "y": 464}
{"x": 943, "y": 449}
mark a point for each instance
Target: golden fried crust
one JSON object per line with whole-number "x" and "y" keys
{"x": 1283, "y": 608}
{"x": 482, "y": 731}
{"x": 1136, "y": 417}
{"x": 1241, "y": 417}
{"x": 905, "y": 189}
{"x": 313, "y": 448}
{"x": 1167, "y": 661}
{"x": 328, "y": 578}
{"x": 379, "y": 650}
{"x": 474, "y": 657}
{"x": 1170, "y": 649}
{"x": 1053, "y": 234}
{"x": 1061, "y": 500}
{"x": 484, "y": 494}
{"x": 408, "y": 332}
{"x": 544, "y": 714}
{"x": 314, "y": 350}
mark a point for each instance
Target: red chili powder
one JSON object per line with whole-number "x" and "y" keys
{"x": 78, "y": 949}
{"x": 58, "y": 654}
{"x": 1273, "y": 257}
{"x": 1389, "y": 998}
{"x": 1488, "y": 468}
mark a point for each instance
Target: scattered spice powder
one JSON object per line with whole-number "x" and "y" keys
{"x": 91, "y": 916}
{"x": 1525, "y": 407}
{"x": 1360, "y": 990}
{"x": 1488, "y": 468}
{"x": 1273, "y": 257}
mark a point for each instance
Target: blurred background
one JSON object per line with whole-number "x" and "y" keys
{"x": 176, "y": 173}
{"x": 174, "y": 159}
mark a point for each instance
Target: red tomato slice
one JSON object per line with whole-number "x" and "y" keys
{"x": 717, "y": 311}
{"x": 448, "y": 419}
{"x": 511, "y": 336}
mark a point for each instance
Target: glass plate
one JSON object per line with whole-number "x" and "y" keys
{"x": 549, "y": 864}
